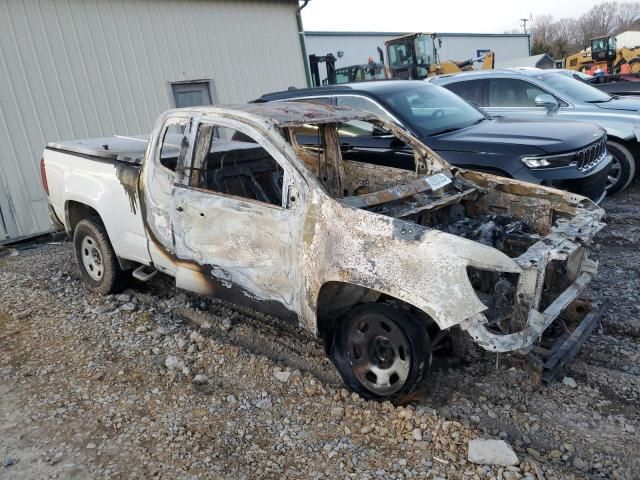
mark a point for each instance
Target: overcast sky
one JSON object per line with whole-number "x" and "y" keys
{"x": 483, "y": 16}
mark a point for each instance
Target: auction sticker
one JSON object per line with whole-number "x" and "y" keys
{"x": 438, "y": 181}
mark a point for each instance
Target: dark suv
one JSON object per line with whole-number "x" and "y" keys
{"x": 562, "y": 154}
{"x": 532, "y": 93}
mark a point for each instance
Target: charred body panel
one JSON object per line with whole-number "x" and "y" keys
{"x": 380, "y": 230}
{"x": 370, "y": 226}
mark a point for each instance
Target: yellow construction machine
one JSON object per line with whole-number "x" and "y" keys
{"x": 603, "y": 54}
{"x": 415, "y": 57}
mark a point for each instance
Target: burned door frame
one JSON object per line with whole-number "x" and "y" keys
{"x": 261, "y": 266}
{"x": 157, "y": 188}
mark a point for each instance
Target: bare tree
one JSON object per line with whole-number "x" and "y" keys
{"x": 543, "y": 34}
{"x": 599, "y": 21}
{"x": 566, "y": 36}
{"x": 567, "y": 39}
{"x": 628, "y": 16}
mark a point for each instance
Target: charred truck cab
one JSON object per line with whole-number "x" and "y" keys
{"x": 379, "y": 261}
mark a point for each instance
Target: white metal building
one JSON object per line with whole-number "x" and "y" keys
{"x": 357, "y": 47}
{"x": 534, "y": 61}
{"x": 629, "y": 39}
{"x": 74, "y": 69}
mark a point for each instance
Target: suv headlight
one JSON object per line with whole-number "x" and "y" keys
{"x": 583, "y": 159}
{"x": 533, "y": 162}
{"x": 563, "y": 160}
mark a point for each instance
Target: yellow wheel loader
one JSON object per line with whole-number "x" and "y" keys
{"x": 605, "y": 55}
{"x": 415, "y": 57}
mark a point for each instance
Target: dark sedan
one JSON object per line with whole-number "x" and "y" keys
{"x": 562, "y": 154}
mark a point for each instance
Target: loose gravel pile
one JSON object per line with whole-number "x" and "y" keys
{"x": 158, "y": 383}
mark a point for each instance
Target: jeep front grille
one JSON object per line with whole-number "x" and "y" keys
{"x": 591, "y": 155}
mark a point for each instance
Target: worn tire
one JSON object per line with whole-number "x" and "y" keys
{"x": 627, "y": 165}
{"x": 91, "y": 242}
{"x": 347, "y": 353}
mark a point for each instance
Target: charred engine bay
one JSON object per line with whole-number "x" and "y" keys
{"x": 469, "y": 213}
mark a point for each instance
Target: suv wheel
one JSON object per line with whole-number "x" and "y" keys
{"x": 380, "y": 351}
{"x": 623, "y": 167}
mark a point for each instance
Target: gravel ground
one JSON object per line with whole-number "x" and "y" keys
{"x": 156, "y": 383}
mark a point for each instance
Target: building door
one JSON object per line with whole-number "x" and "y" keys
{"x": 191, "y": 94}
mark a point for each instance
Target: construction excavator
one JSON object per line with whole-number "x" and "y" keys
{"x": 604, "y": 55}
{"x": 416, "y": 56}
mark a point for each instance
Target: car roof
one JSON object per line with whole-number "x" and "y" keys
{"x": 510, "y": 72}
{"x": 374, "y": 87}
{"x": 287, "y": 114}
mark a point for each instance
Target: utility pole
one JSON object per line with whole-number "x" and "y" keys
{"x": 524, "y": 24}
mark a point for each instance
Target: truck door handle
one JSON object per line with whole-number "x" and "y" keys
{"x": 180, "y": 209}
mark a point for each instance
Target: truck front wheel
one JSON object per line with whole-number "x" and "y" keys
{"x": 97, "y": 262}
{"x": 381, "y": 351}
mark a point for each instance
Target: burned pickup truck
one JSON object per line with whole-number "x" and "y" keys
{"x": 382, "y": 263}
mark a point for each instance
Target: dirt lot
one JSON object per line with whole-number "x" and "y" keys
{"x": 157, "y": 383}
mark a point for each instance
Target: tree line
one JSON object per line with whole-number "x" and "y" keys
{"x": 563, "y": 37}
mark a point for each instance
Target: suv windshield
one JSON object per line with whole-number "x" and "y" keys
{"x": 430, "y": 110}
{"x": 574, "y": 88}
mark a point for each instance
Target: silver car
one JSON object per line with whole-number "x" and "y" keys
{"x": 534, "y": 93}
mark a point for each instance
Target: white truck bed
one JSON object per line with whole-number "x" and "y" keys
{"x": 117, "y": 148}
{"x": 101, "y": 173}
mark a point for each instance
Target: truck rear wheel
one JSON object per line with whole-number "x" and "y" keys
{"x": 97, "y": 262}
{"x": 380, "y": 351}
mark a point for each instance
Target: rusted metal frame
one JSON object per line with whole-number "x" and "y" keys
{"x": 390, "y": 194}
{"x": 433, "y": 205}
{"x": 562, "y": 201}
{"x": 537, "y": 322}
{"x": 565, "y": 351}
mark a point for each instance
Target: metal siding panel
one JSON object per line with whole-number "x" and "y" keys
{"x": 463, "y": 48}
{"x": 130, "y": 59}
{"x": 58, "y": 28}
{"x": 20, "y": 212}
{"x": 78, "y": 68}
{"x": 70, "y": 18}
{"x": 357, "y": 49}
{"x": 91, "y": 72}
{"x": 124, "y": 77}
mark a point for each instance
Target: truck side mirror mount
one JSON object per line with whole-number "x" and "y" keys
{"x": 547, "y": 101}
{"x": 292, "y": 196}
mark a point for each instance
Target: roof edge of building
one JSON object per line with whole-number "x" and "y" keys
{"x": 347, "y": 33}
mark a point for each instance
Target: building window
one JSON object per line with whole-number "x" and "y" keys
{"x": 191, "y": 94}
